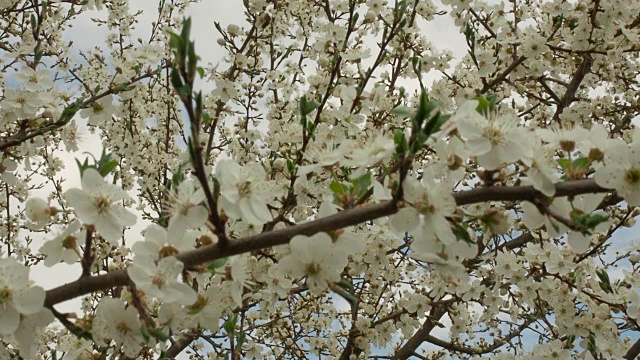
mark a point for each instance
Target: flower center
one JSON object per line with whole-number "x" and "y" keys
{"x": 69, "y": 242}
{"x": 424, "y": 207}
{"x": 197, "y": 306}
{"x": 168, "y": 250}
{"x": 244, "y": 189}
{"x": 159, "y": 281}
{"x": 183, "y": 208}
{"x": 5, "y": 295}
{"x": 633, "y": 176}
{"x": 122, "y": 328}
{"x": 494, "y": 134}
{"x": 97, "y": 108}
{"x": 567, "y": 145}
{"x": 454, "y": 162}
{"x": 102, "y": 204}
{"x": 313, "y": 268}
{"x": 595, "y": 154}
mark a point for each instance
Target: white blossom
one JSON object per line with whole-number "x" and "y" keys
{"x": 7, "y": 167}
{"x": 186, "y": 210}
{"x": 429, "y": 205}
{"x": 622, "y": 173}
{"x": 97, "y": 204}
{"x": 100, "y": 111}
{"x": 118, "y": 323}
{"x": 316, "y": 258}
{"x": 161, "y": 280}
{"x": 75, "y": 347}
{"x": 492, "y": 140}
{"x": 34, "y": 80}
{"x": 31, "y": 327}
{"x": 244, "y": 191}
{"x": 157, "y": 242}
{"x": 17, "y": 296}
{"x": 64, "y": 247}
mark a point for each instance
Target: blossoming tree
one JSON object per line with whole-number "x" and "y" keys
{"x": 348, "y": 190}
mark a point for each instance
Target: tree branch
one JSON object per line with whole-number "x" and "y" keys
{"x": 500, "y": 78}
{"x": 633, "y": 351}
{"x": 330, "y": 223}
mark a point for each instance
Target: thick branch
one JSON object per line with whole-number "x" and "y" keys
{"x": 330, "y": 223}
{"x": 407, "y": 350}
{"x": 180, "y": 344}
{"x": 570, "y": 93}
{"x": 478, "y": 351}
{"x": 633, "y": 352}
{"x": 503, "y": 75}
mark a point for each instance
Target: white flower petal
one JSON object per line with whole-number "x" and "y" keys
{"x": 29, "y": 300}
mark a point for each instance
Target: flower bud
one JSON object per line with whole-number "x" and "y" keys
{"x": 369, "y": 17}
{"x": 279, "y": 164}
{"x": 38, "y": 211}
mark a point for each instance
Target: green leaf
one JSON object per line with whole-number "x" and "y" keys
{"x": 605, "y": 283}
{"x": 343, "y": 283}
{"x": 307, "y": 107}
{"x": 486, "y": 104}
{"x": 339, "y": 188}
{"x": 352, "y": 300}
{"x": 176, "y": 79}
{"x": 581, "y": 163}
{"x": 403, "y": 112}
{"x": 423, "y": 110}
{"x": 192, "y": 62}
{"x": 206, "y": 118}
{"x": 178, "y": 177}
{"x": 361, "y": 184}
{"x": 186, "y": 29}
{"x": 83, "y": 166}
{"x": 230, "y": 325}
{"x": 38, "y": 56}
{"x": 69, "y": 112}
{"x": 145, "y": 333}
{"x": 216, "y": 264}
{"x": 158, "y": 334}
{"x": 240, "y": 339}
{"x": 591, "y": 343}
{"x": 470, "y": 34}
{"x": 401, "y": 142}
{"x": 462, "y": 234}
{"x": 420, "y": 139}
{"x": 587, "y": 221}
{"x": 355, "y": 19}
{"x": 176, "y": 43}
{"x": 105, "y": 168}
{"x": 564, "y": 163}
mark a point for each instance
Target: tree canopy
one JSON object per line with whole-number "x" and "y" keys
{"x": 338, "y": 186}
